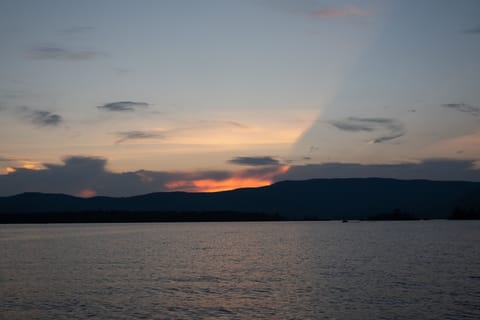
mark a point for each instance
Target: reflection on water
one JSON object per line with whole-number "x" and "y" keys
{"x": 272, "y": 270}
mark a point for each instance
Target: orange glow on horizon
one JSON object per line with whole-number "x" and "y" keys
{"x": 236, "y": 181}
{"x": 87, "y": 193}
{"x": 210, "y": 185}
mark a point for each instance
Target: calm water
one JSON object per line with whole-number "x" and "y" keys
{"x": 279, "y": 270}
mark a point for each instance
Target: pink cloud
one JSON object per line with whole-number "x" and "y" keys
{"x": 341, "y": 12}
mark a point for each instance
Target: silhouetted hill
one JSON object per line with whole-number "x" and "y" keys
{"x": 317, "y": 199}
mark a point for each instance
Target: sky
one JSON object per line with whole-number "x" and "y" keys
{"x": 129, "y": 97}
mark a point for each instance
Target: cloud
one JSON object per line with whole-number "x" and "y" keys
{"x": 138, "y": 135}
{"x": 87, "y": 176}
{"x": 257, "y": 177}
{"x": 473, "y": 30}
{"x": 46, "y": 118}
{"x": 255, "y": 161}
{"x": 14, "y": 164}
{"x": 392, "y": 128}
{"x": 337, "y": 12}
{"x": 51, "y": 52}
{"x": 431, "y": 169}
{"x": 237, "y": 124}
{"x": 122, "y": 106}
{"x": 462, "y": 107}
{"x": 387, "y": 137}
{"x": 41, "y": 118}
{"x": 75, "y": 174}
{"x": 81, "y": 163}
{"x": 72, "y": 176}
{"x": 352, "y": 125}
{"x": 221, "y": 123}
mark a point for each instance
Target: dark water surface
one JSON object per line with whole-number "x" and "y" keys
{"x": 257, "y": 270}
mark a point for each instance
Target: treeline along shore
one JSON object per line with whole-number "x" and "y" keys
{"x": 113, "y": 217}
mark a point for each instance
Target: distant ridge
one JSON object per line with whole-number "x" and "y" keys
{"x": 312, "y": 199}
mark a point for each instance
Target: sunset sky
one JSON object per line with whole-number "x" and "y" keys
{"x": 128, "y": 97}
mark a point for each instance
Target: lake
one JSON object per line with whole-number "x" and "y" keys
{"x": 241, "y": 270}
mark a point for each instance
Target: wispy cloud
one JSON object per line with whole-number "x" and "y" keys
{"x": 473, "y": 30}
{"x": 77, "y": 30}
{"x": 462, "y": 107}
{"x": 315, "y": 9}
{"x": 255, "y": 161}
{"x": 353, "y": 124}
{"x": 387, "y": 137}
{"x": 46, "y": 118}
{"x": 219, "y": 124}
{"x": 393, "y": 128}
{"x": 5, "y": 159}
{"x": 41, "y": 118}
{"x": 121, "y": 106}
{"x": 53, "y": 52}
{"x": 237, "y": 124}
{"x": 338, "y": 12}
{"x": 138, "y": 135}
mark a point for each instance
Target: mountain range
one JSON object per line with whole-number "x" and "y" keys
{"x": 294, "y": 200}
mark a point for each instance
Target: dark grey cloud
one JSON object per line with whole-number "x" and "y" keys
{"x": 473, "y": 30}
{"x": 72, "y": 176}
{"x": 431, "y": 169}
{"x": 462, "y": 107}
{"x": 255, "y": 161}
{"x": 389, "y": 129}
{"x": 138, "y": 135}
{"x": 41, "y": 118}
{"x": 81, "y": 163}
{"x": 51, "y": 52}
{"x": 361, "y": 124}
{"x": 388, "y": 137}
{"x": 46, "y": 118}
{"x": 121, "y": 106}
{"x": 77, "y": 174}
{"x": 352, "y": 125}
